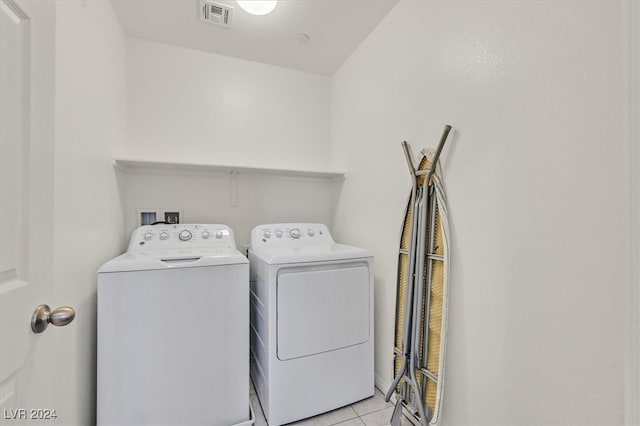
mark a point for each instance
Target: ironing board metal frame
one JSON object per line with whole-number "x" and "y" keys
{"x": 427, "y": 195}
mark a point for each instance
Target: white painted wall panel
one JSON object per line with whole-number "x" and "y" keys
{"x": 632, "y": 299}
{"x": 536, "y": 179}
{"x": 209, "y": 198}
{"x": 90, "y": 124}
{"x": 191, "y": 106}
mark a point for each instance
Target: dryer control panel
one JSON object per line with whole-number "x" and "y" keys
{"x": 286, "y": 234}
{"x": 178, "y": 236}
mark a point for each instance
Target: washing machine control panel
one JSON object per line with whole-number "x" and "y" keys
{"x": 178, "y": 236}
{"x": 283, "y": 234}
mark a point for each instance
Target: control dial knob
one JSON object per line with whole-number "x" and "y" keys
{"x": 185, "y": 235}
{"x": 205, "y": 235}
{"x": 148, "y": 235}
{"x": 310, "y": 232}
{"x": 295, "y": 233}
{"x": 164, "y": 235}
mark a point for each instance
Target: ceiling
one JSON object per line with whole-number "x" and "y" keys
{"x": 334, "y": 27}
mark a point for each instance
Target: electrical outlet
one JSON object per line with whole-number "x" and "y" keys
{"x": 172, "y": 217}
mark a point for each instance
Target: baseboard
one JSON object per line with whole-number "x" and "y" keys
{"x": 381, "y": 384}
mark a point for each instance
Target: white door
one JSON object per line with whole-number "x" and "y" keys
{"x": 27, "y": 359}
{"x": 313, "y": 303}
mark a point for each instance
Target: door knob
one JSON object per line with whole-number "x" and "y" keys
{"x": 43, "y": 316}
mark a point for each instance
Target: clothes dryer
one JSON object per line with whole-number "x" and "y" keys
{"x": 311, "y": 321}
{"x": 173, "y": 322}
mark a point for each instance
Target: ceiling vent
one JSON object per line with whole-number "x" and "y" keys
{"x": 216, "y": 13}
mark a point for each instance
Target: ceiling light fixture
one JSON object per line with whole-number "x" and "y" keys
{"x": 257, "y": 7}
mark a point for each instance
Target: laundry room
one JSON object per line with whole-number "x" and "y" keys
{"x": 129, "y": 114}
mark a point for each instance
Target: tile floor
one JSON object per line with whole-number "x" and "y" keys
{"x": 373, "y": 411}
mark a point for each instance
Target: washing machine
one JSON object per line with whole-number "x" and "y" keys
{"x": 311, "y": 323}
{"x": 173, "y": 329}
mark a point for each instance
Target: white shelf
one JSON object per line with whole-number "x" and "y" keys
{"x": 169, "y": 167}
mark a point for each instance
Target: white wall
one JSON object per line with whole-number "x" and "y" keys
{"x": 90, "y": 123}
{"x": 205, "y": 197}
{"x": 197, "y": 107}
{"x": 536, "y": 178}
{"x": 632, "y": 299}
{"x": 191, "y": 106}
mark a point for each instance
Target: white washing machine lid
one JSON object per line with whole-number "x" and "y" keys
{"x": 296, "y": 254}
{"x": 167, "y": 246}
{"x": 162, "y": 259}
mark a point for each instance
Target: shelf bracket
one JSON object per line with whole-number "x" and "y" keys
{"x": 234, "y": 188}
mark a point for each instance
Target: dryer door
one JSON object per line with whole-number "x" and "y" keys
{"x": 322, "y": 309}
